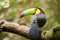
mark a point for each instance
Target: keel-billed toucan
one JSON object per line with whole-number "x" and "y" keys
{"x": 38, "y": 20}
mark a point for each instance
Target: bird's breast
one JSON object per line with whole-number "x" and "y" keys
{"x": 41, "y": 20}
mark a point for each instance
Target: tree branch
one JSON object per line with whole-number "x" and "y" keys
{"x": 23, "y": 30}
{"x": 14, "y": 28}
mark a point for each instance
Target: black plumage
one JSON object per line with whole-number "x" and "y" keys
{"x": 34, "y": 31}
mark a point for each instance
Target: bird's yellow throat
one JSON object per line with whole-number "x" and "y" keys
{"x": 37, "y": 11}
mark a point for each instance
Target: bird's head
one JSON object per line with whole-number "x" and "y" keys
{"x": 31, "y": 11}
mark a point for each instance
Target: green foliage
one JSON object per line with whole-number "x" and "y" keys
{"x": 1, "y": 7}
{"x": 11, "y": 1}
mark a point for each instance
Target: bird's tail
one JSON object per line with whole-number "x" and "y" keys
{"x": 34, "y": 31}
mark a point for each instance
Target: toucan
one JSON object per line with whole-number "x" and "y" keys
{"x": 38, "y": 20}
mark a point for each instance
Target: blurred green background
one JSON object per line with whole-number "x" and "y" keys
{"x": 11, "y": 9}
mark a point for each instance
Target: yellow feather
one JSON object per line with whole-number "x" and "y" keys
{"x": 37, "y": 11}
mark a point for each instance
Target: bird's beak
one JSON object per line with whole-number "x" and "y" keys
{"x": 21, "y": 15}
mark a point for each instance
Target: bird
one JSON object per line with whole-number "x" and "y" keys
{"x": 38, "y": 20}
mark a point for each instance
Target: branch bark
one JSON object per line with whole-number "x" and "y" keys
{"x": 23, "y": 30}
{"x": 14, "y": 28}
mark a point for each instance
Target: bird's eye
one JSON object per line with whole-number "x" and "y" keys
{"x": 37, "y": 11}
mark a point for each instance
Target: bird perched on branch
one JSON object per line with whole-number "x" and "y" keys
{"x": 38, "y": 20}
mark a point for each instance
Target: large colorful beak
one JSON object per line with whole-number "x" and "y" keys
{"x": 31, "y": 11}
{"x": 27, "y": 12}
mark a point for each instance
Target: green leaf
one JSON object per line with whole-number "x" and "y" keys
{"x": 11, "y": 1}
{"x": 1, "y": 7}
